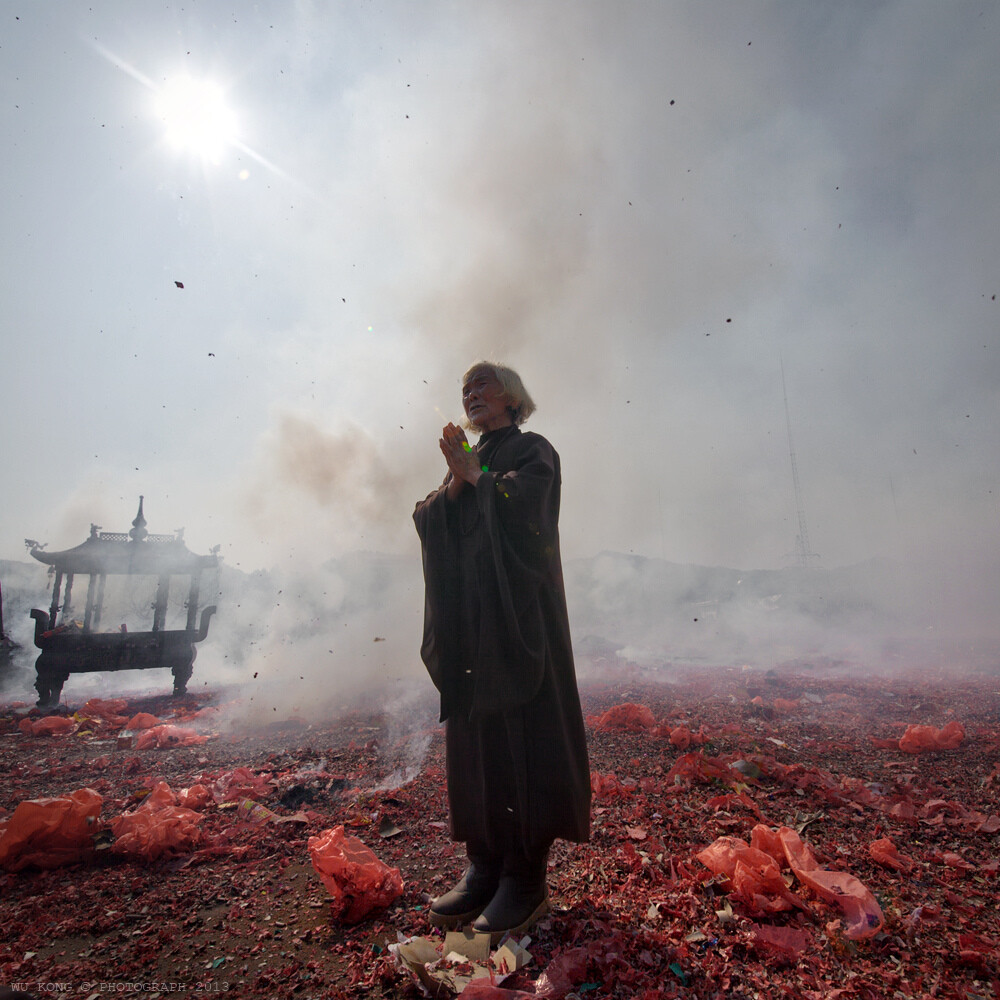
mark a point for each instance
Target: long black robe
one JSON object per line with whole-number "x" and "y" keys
{"x": 497, "y": 646}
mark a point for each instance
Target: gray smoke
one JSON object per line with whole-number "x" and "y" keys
{"x": 647, "y": 209}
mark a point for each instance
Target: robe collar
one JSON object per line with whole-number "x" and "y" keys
{"x": 491, "y": 441}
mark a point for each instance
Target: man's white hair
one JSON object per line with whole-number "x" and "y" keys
{"x": 520, "y": 404}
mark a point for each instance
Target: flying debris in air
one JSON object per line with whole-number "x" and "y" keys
{"x": 179, "y": 284}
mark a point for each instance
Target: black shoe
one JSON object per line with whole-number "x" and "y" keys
{"x": 520, "y": 900}
{"x": 466, "y": 901}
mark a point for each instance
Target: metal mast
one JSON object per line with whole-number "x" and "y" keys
{"x": 804, "y": 556}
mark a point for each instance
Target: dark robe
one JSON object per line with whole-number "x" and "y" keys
{"x": 497, "y": 646}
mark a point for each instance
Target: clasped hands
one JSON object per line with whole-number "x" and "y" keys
{"x": 463, "y": 462}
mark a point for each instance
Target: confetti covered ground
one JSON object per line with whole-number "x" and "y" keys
{"x": 679, "y": 760}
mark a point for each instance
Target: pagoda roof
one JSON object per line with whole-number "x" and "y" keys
{"x": 135, "y": 552}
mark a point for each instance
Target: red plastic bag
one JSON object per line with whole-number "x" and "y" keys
{"x": 917, "y": 738}
{"x": 864, "y": 915}
{"x": 755, "y": 875}
{"x": 629, "y": 718}
{"x": 143, "y": 720}
{"x": 354, "y": 876}
{"x": 160, "y": 795}
{"x": 953, "y": 860}
{"x": 608, "y": 786}
{"x": 752, "y": 873}
{"x": 157, "y": 827}
{"x": 110, "y": 710}
{"x": 698, "y": 767}
{"x": 195, "y": 797}
{"x": 166, "y": 736}
{"x": 720, "y": 857}
{"x": 884, "y": 851}
{"x": 681, "y": 737}
{"x": 566, "y": 970}
{"x": 51, "y": 725}
{"x": 241, "y": 783}
{"x": 49, "y": 833}
{"x": 769, "y": 841}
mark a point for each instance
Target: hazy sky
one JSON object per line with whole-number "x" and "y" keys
{"x": 644, "y": 207}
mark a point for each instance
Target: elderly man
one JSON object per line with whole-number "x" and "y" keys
{"x": 497, "y": 646}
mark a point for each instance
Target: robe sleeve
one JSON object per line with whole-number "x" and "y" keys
{"x": 435, "y": 519}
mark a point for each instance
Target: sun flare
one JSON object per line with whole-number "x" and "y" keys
{"x": 196, "y": 116}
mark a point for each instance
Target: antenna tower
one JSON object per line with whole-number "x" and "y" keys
{"x": 804, "y": 556}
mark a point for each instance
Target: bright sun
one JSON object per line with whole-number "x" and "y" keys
{"x": 196, "y": 116}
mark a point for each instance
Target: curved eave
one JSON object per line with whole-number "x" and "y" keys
{"x": 101, "y": 556}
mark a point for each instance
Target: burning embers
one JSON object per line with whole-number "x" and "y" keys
{"x": 70, "y": 644}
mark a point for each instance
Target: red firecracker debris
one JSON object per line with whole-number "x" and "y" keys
{"x": 812, "y": 777}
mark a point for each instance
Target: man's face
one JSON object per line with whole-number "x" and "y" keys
{"x": 484, "y": 402}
